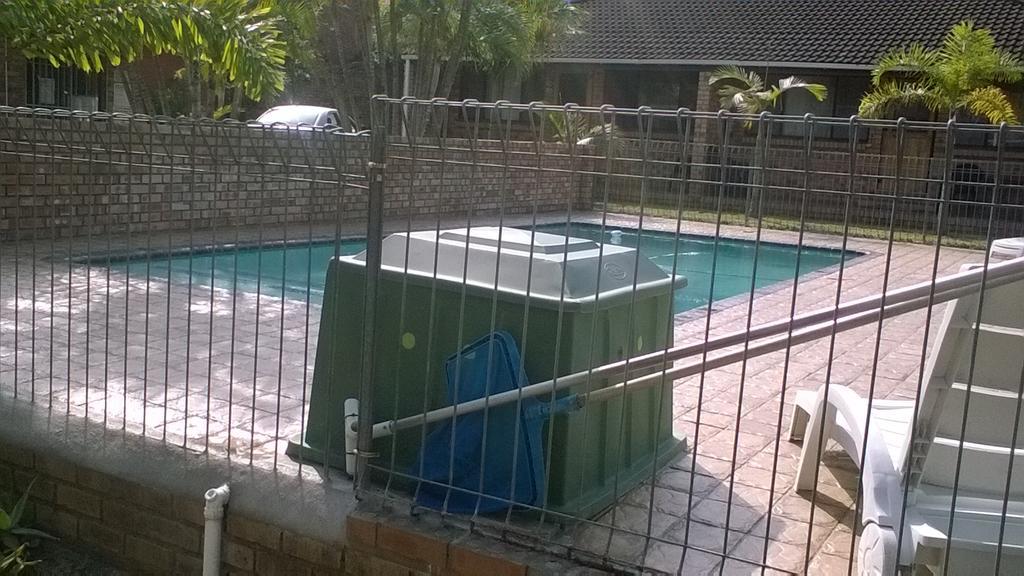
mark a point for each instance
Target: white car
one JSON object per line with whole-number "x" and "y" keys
{"x": 295, "y": 115}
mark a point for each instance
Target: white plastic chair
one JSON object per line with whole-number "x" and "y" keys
{"x": 929, "y": 462}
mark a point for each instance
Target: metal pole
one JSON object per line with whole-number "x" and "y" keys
{"x": 406, "y": 91}
{"x": 897, "y": 302}
{"x": 374, "y": 232}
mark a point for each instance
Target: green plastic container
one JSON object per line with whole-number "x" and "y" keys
{"x": 419, "y": 325}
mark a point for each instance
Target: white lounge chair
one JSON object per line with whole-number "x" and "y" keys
{"x": 929, "y": 462}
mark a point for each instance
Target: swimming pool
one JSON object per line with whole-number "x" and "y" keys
{"x": 299, "y": 268}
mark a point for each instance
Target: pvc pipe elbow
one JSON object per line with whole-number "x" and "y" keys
{"x": 216, "y": 500}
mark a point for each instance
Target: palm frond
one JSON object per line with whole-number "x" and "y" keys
{"x": 568, "y": 125}
{"x": 893, "y": 96}
{"x": 736, "y": 76}
{"x": 914, "y": 59}
{"x": 819, "y": 91}
{"x": 991, "y": 103}
{"x": 964, "y": 41}
{"x": 1009, "y": 69}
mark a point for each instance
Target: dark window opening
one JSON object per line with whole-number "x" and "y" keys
{"x": 572, "y": 87}
{"x": 533, "y": 86}
{"x": 68, "y": 88}
{"x": 472, "y": 84}
{"x": 657, "y": 89}
{"x": 842, "y": 101}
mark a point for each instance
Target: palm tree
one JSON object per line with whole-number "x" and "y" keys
{"x": 503, "y": 36}
{"x": 235, "y": 41}
{"x": 744, "y": 91}
{"x": 964, "y": 74}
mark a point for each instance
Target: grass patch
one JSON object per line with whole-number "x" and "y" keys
{"x": 793, "y": 225}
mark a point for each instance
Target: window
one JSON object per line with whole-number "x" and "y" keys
{"x": 661, "y": 89}
{"x": 797, "y": 102}
{"x": 572, "y": 87}
{"x": 472, "y": 84}
{"x": 843, "y": 100}
{"x": 506, "y": 86}
{"x": 668, "y": 90}
{"x": 533, "y": 86}
{"x": 658, "y": 89}
{"x": 64, "y": 87}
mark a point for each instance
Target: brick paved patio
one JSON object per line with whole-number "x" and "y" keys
{"x": 198, "y": 376}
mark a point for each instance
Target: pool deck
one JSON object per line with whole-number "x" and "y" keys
{"x": 229, "y": 374}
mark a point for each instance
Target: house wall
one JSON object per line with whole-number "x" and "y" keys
{"x": 13, "y": 78}
{"x": 14, "y": 84}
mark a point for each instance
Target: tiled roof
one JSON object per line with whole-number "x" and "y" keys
{"x": 841, "y": 32}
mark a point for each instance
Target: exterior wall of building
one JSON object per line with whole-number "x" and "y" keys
{"x": 15, "y": 90}
{"x": 14, "y": 78}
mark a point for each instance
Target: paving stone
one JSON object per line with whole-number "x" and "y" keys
{"x": 149, "y": 363}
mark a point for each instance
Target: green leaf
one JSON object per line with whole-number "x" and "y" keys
{"x": 991, "y": 103}
{"x": 32, "y": 533}
{"x": 965, "y": 72}
{"x": 817, "y": 90}
{"x": 19, "y": 507}
{"x": 736, "y": 76}
{"x": 5, "y": 521}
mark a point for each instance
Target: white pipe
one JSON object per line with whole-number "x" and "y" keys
{"x": 216, "y": 500}
{"x": 806, "y": 326}
{"x": 351, "y": 434}
{"x": 776, "y": 343}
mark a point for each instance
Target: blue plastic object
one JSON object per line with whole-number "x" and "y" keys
{"x": 488, "y": 366}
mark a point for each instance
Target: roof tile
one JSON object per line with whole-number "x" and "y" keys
{"x": 843, "y": 32}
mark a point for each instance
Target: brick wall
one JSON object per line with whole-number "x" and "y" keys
{"x": 74, "y": 176}
{"x": 384, "y": 544}
{"x": 145, "y": 530}
{"x": 827, "y": 180}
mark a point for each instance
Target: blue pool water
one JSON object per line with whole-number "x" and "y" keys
{"x": 303, "y": 266}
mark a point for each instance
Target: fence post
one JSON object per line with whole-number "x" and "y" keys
{"x": 374, "y": 235}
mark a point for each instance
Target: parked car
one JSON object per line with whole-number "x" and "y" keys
{"x": 296, "y": 115}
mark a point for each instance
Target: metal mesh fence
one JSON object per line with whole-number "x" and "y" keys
{"x": 582, "y": 330}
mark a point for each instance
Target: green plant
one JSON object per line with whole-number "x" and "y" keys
{"x": 744, "y": 91}
{"x": 499, "y": 38}
{"x": 236, "y": 42}
{"x": 14, "y": 536}
{"x": 965, "y": 73}
{"x": 575, "y": 127}
{"x": 14, "y": 561}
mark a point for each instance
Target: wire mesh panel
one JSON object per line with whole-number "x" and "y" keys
{"x": 160, "y": 276}
{"x": 598, "y": 351}
{"x": 612, "y": 334}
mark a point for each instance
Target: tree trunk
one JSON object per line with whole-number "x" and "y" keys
{"x": 451, "y": 68}
{"x": 236, "y": 103}
{"x": 397, "y": 65}
{"x": 195, "y": 94}
{"x": 346, "y": 58}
